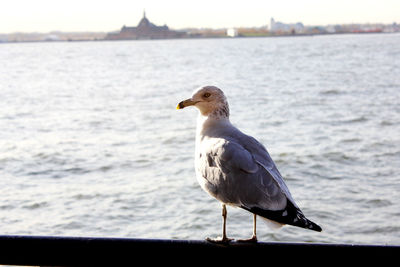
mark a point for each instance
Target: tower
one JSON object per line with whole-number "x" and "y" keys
{"x": 144, "y": 22}
{"x": 272, "y": 25}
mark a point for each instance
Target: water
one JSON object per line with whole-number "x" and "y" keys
{"x": 91, "y": 143}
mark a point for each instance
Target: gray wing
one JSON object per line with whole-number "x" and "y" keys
{"x": 262, "y": 157}
{"x": 246, "y": 176}
{"x": 239, "y": 171}
{"x": 291, "y": 213}
{"x": 235, "y": 177}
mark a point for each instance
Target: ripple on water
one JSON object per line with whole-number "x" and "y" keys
{"x": 125, "y": 155}
{"x": 331, "y": 92}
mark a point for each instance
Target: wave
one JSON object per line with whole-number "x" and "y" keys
{"x": 331, "y": 92}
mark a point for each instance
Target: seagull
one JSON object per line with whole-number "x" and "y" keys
{"x": 236, "y": 169}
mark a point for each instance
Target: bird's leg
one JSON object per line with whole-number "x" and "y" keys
{"x": 224, "y": 238}
{"x": 224, "y": 216}
{"x": 253, "y": 238}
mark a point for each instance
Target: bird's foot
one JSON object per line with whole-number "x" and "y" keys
{"x": 219, "y": 240}
{"x": 252, "y": 239}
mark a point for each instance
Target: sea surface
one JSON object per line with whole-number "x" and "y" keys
{"x": 91, "y": 143}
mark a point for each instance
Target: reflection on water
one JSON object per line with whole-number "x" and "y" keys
{"x": 91, "y": 143}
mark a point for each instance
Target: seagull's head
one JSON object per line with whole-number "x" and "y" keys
{"x": 210, "y": 100}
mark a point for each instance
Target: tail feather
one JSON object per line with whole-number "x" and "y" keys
{"x": 290, "y": 215}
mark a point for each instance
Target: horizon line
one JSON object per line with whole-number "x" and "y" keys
{"x": 199, "y": 28}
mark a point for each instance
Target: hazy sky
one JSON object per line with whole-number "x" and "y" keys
{"x": 102, "y": 15}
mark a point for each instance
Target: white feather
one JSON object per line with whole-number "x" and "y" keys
{"x": 272, "y": 224}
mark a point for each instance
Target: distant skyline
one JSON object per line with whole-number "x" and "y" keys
{"x": 111, "y": 15}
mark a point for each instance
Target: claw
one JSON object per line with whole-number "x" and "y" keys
{"x": 219, "y": 240}
{"x": 252, "y": 239}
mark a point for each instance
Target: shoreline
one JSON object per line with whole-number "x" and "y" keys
{"x": 196, "y": 37}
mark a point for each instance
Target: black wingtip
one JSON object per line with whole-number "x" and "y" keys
{"x": 290, "y": 215}
{"x": 313, "y": 226}
{"x": 301, "y": 221}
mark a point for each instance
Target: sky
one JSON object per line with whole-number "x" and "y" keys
{"x": 111, "y": 15}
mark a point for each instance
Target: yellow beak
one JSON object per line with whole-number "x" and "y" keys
{"x": 186, "y": 103}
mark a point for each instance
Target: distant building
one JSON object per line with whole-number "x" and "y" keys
{"x": 52, "y": 38}
{"x": 232, "y": 32}
{"x": 280, "y": 27}
{"x": 145, "y": 30}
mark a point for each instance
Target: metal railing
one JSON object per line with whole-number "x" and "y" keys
{"x": 87, "y": 251}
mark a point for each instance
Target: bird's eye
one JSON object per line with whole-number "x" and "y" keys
{"x": 206, "y": 95}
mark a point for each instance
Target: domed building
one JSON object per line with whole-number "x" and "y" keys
{"x": 145, "y": 30}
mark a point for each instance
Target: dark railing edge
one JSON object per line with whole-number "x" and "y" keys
{"x": 113, "y": 251}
